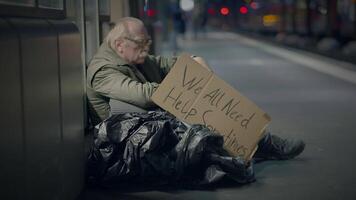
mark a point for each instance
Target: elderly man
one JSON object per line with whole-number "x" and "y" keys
{"x": 123, "y": 71}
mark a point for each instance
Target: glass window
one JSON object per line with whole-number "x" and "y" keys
{"x": 52, "y": 4}
{"x": 50, "y": 9}
{"x": 19, "y": 2}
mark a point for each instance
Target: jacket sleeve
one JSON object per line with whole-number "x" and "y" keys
{"x": 116, "y": 85}
{"x": 165, "y": 63}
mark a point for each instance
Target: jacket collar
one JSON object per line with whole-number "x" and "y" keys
{"x": 104, "y": 56}
{"x": 108, "y": 54}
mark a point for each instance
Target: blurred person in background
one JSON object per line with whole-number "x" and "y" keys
{"x": 177, "y": 17}
{"x": 199, "y": 20}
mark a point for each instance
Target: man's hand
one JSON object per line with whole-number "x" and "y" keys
{"x": 201, "y": 61}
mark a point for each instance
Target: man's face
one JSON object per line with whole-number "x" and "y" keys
{"x": 136, "y": 49}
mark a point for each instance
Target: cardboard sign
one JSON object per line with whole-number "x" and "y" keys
{"x": 195, "y": 95}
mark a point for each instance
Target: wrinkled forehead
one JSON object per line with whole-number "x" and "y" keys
{"x": 137, "y": 30}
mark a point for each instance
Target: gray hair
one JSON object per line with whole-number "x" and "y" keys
{"x": 120, "y": 30}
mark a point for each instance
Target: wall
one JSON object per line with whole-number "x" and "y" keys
{"x": 41, "y": 146}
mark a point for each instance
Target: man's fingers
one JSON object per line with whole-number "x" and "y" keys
{"x": 202, "y": 62}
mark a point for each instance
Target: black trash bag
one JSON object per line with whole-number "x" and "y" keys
{"x": 202, "y": 158}
{"x": 156, "y": 148}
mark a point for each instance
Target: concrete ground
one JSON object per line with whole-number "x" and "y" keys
{"x": 308, "y": 97}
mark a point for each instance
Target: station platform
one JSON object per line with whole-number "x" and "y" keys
{"x": 308, "y": 96}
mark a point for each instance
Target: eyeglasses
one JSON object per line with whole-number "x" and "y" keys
{"x": 142, "y": 43}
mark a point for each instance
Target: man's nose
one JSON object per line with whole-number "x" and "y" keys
{"x": 144, "y": 52}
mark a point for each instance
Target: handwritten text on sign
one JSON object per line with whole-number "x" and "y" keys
{"x": 197, "y": 96}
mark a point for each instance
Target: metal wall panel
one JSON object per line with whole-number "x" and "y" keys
{"x": 72, "y": 99}
{"x": 41, "y": 108}
{"x": 75, "y": 13}
{"x": 91, "y": 8}
{"x": 12, "y": 141}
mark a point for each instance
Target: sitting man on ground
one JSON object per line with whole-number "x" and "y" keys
{"x": 122, "y": 70}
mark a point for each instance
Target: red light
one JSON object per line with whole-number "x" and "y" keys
{"x": 254, "y": 5}
{"x": 224, "y": 11}
{"x": 151, "y": 12}
{"x": 243, "y": 10}
{"x": 211, "y": 11}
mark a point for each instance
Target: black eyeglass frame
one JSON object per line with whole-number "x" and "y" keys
{"x": 141, "y": 43}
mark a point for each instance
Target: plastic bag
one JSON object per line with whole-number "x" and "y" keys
{"x": 155, "y": 147}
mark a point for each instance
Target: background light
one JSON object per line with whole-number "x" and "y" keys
{"x": 254, "y": 5}
{"x": 224, "y": 11}
{"x": 243, "y": 10}
{"x": 186, "y": 5}
{"x": 270, "y": 20}
{"x": 151, "y": 12}
{"x": 211, "y": 11}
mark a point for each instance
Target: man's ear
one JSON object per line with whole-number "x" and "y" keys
{"x": 119, "y": 45}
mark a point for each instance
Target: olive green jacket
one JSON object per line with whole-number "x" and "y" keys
{"x": 110, "y": 77}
